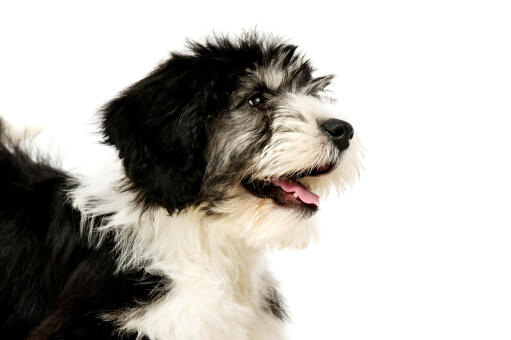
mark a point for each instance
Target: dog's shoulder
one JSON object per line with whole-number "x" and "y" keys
{"x": 53, "y": 282}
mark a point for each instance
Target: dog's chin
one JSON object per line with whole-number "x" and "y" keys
{"x": 261, "y": 222}
{"x": 276, "y": 213}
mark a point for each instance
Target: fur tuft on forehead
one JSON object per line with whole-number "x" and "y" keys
{"x": 269, "y": 61}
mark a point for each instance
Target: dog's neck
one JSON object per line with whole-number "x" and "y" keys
{"x": 182, "y": 246}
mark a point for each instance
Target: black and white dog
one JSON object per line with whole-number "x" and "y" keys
{"x": 218, "y": 154}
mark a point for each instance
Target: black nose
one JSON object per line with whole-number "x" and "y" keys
{"x": 340, "y": 131}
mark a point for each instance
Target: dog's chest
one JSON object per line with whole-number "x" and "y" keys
{"x": 205, "y": 305}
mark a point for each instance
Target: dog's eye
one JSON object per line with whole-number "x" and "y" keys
{"x": 257, "y": 101}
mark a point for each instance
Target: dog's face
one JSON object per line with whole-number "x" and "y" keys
{"x": 241, "y": 131}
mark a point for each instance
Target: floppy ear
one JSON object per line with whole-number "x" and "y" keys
{"x": 158, "y": 126}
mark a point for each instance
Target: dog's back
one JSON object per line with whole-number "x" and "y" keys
{"x": 30, "y": 193}
{"x": 53, "y": 285}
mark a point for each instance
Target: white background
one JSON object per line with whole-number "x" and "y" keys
{"x": 420, "y": 248}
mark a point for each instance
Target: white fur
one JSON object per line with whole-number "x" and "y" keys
{"x": 218, "y": 283}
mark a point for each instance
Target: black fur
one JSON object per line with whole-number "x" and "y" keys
{"x": 52, "y": 285}
{"x": 275, "y": 305}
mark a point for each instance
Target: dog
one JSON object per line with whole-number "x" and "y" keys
{"x": 220, "y": 153}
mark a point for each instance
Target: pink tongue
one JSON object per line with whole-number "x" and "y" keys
{"x": 303, "y": 193}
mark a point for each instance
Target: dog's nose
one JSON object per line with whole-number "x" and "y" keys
{"x": 340, "y": 131}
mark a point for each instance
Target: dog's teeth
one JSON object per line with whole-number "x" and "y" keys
{"x": 295, "y": 195}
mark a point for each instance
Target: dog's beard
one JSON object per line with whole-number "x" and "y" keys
{"x": 262, "y": 221}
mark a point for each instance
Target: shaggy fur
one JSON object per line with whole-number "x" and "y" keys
{"x": 214, "y": 156}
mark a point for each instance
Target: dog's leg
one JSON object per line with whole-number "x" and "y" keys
{"x": 73, "y": 319}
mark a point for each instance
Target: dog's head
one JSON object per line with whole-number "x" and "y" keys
{"x": 240, "y": 130}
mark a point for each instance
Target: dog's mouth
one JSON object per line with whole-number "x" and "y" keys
{"x": 288, "y": 191}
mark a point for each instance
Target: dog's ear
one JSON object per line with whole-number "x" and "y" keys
{"x": 158, "y": 126}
